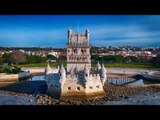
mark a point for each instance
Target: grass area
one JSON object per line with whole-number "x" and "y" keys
{"x": 109, "y": 65}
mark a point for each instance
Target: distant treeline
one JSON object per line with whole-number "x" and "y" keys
{"x": 155, "y": 61}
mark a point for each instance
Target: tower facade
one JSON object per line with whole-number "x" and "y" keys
{"x": 78, "y": 51}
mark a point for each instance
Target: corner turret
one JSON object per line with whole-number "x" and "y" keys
{"x": 98, "y": 67}
{"x": 62, "y": 72}
{"x": 87, "y": 34}
{"x": 103, "y": 73}
{"x": 86, "y": 72}
{"x": 69, "y": 34}
{"x": 48, "y": 69}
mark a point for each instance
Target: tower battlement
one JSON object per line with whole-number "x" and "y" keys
{"x": 78, "y": 51}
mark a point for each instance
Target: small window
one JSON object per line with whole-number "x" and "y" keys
{"x": 78, "y": 88}
{"x": 69, "y": 88}
{"x": 68, "y": 50}
{"x": 91, "y": 87}
{"x": 97, "y": 86}
{"x": 86, "y": 75}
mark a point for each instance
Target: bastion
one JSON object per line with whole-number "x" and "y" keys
{"x": 77, "y": 80}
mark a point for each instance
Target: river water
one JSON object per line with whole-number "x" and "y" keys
{"x": 37, "y": 78}
{"x": 136, "y": 82}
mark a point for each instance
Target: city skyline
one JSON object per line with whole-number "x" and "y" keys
{"x": 105, "y": 30}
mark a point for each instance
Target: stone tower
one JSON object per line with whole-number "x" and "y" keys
{"x": 79, "y": 80}
{"x": 78, "y": 51}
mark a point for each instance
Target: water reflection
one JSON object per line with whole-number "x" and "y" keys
{"x": 138, "y": 82}
{"x": 37, "y": 78}
{"x": 114, "y": 81}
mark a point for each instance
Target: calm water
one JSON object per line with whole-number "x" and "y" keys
{"x": 37, "y": 78}
{"x": 137, "y": 82}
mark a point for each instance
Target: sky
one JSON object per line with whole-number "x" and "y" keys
{"x": 105, "y": 30}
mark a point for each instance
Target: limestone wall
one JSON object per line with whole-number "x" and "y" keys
{"x": 75, "y": 88}
{"x": 94, "y": 86}
{"x": 72, "y": 86}
{"x": 79, "y": 66}
{"x": 53, "y": 84}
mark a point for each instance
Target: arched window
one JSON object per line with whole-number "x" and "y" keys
{"x": 75, "y": 50}
{"x": 82, "y": 51}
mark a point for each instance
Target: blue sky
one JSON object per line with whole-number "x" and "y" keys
{"x": 105, "y": 30}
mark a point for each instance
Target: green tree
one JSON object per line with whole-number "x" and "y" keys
{"x": 156, "y": 61}
{"x": 1, "y": 60}
{"x": 35, "y": 59}
{"x": 6, "y": 58}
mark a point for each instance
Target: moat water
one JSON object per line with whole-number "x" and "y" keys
{"x": 37, "y": 78}
{"x": 114, "y": 81}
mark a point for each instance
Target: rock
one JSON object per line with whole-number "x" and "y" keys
{"x": 43, "y": 102}
{"x": 30, "y": 100}
{"x": 126, "y": 97}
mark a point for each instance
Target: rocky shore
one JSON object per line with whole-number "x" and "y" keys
{"x": 114, "y": 95}
{"x": 11, "y": 98}
{"x": 144, "y": 98}
{"x": 113, "y": 92}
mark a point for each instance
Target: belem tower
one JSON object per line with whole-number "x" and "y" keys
{"x": 78, "y": 79}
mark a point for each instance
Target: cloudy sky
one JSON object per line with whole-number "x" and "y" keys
{"x": 105, "y": 30}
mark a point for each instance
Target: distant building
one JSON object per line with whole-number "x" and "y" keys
{"x": 56, "y": 54}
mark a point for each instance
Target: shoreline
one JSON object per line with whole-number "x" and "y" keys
{"x": 6, "y": 79}
{"x": 114, "y": 94}
{"x": 115, "y": 73}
